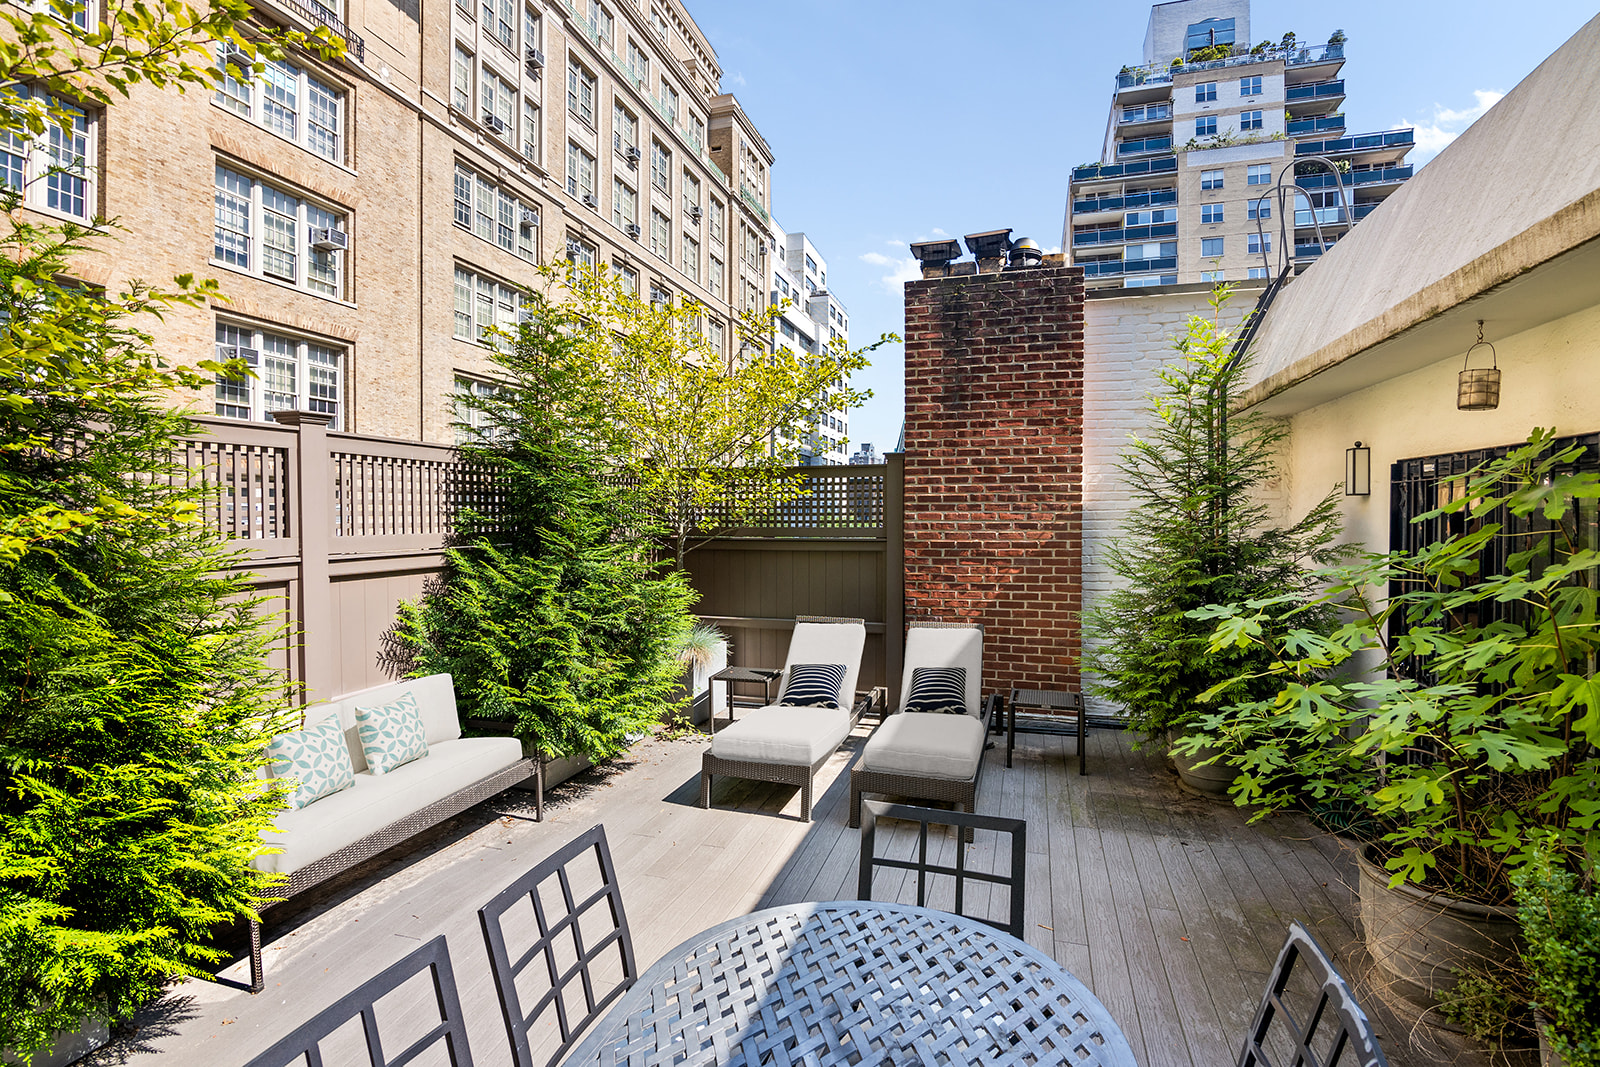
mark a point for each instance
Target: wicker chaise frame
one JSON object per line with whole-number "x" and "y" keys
{"x": 963, "y": 794}
{"x": 401, "y": 829}
{"x": 796, "y": 774}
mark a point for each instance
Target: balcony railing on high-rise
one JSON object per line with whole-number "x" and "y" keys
{"x": 1315, "y": 124}
{"x": 1377, "y": 175}
{"x": 312, "y": 11}
{"x": 1154, "y": 198}
{"x": 1315, "y": 90}
{"x": 1153, "y": 113}
{"x": 1297, "y": 56}
{"x": 1359, "y": 143}
{"x": 1162, "y": 143}
{"x": 1099, "y": 171}
{"x": 1119, "y": 235}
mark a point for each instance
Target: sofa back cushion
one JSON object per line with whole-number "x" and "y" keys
{"x": 828, "y": 642}
{"x": 946, "y": 646}
{"x": 436, "y": 703}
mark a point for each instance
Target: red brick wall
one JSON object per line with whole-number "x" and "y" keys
{"x": 994, "y": 466}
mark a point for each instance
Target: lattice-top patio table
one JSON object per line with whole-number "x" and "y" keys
{"x": 855, "y": 982}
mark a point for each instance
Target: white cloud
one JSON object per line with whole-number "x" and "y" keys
{"x": 738, "y": 79}
{"x": 1448, "y": 123}
{"x": 901, "y": 270}
{"x": 939, "y": 233}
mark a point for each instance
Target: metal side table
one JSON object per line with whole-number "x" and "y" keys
{"x": 765, "y": 675}
{"x": 1045, "y": 700}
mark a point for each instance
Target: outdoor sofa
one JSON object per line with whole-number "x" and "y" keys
{"x": 334, "y": 832}
{"x": 786, "y": 743}
{"x": 923, "y": 754}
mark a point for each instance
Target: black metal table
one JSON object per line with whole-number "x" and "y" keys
{"x": 855, "y": 982}
{"x": 765, "y": 675}
{"x": 1045, "y": 700}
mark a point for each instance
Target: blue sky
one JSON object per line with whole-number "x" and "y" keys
{"x": 896, "y": 121}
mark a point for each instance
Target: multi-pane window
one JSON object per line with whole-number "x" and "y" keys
{"x": 714, "y": 282}
{"x": 624, "y": 204}
{"x": 284, "y": 99}
{"x": 1210, "y": 247}
{"x": 697, "y": 131}
{"x": 580, "y": 173}
{"x": 461, "y": 81}
{"x": 500, "y": 21}
{"x": 630, "y": 278}
{"x": 1250, "y": 120}
{"x": 1153, "y": 217}
{"x": 530, "y": 28}
{"x": 530, "y": 128}
{"x": 624, "y": 128}
{"x": 669, "y": 101}
{"x": 1260, "y": 242}
{"x": 1210, "y": 213}
{"x": 717, "y": 227}
{"x": 691, "y": 196}
{"x": 661, "y": 235}
{"x": 603, "y": 24}
{"x": 1256, "y": 272}
{"x": 473, "y": 423}
{"x": 581, "y": 90}
{"x": 691, "y": 258}
{"x": 1250, "y": 86}
{"x": 660, "y": 294}
{"x": 493, "y": 214}
{"x": 292, "y": 374}
{"x": 1258, "y": 209}
{"x": 660, "y": 167}
{"x": 1205, "y": 92}
{"x": 582, "y": 252}
{"x": 1259, "y": 174}
{"x": 1210, "y": 276}
{"x": 482, "y": 305}
{"x": 51, "y": 170}
{"x": 265, "y": 231}
{"x": 1211, "y": 179}
{"x": 638, "y": 63}
{"x": 499, "y": 100}
{"x": 1205, "y": 126}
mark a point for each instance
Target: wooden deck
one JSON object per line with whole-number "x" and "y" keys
{"x": 1170, "y": 907}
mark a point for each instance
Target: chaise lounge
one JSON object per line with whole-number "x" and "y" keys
{"x": 789, "y": 742}
{"x": 932, "y": 747}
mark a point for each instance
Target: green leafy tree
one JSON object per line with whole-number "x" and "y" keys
{"x": 1198, "y": 534}
{"x": 708, "y": 439}
{"x": 1473, "y": 751}
{"x": 552, "y": 613}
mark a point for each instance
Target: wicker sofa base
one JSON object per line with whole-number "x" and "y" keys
{"x": 962, "y": 793}
{"x": 796, "y": 774}
{"x": 396, "y": 832}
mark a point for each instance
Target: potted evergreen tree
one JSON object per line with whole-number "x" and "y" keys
{"x": 1198, "y": 534}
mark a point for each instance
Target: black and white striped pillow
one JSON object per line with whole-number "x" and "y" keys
{"x": 938, "y": 689}
{"x": 813, "y": 685}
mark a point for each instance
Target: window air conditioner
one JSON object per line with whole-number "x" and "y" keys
{"x": 534, "y": 59}
{"x": 634, "y": 231}
{"x": 328, "y": 239}
{"x": 694, "y": 214}
{"x": 574, "y": 250}
{"x": 495, "y": 124}
{"x": 590, "y": 200}
{"x": 251, "y": 357}
{"x": 524, "y": 314}
{"x": 633, "y": 153}
{"x": 530, "y": 218}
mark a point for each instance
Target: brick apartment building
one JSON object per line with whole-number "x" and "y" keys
{"x": 368, "y": 218}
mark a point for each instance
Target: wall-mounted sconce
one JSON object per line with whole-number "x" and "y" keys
{"x": 1478, "y": 389}
{"x": 1358, "y": 471}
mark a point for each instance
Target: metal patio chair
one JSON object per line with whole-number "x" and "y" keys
{"x": 1323, "y": 1029}
{"x": 561, "y": 936}
{"x": 304, "y": 1044}
{"x": 873, "y": 810}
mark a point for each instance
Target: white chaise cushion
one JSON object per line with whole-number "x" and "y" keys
{"x": 946, "y": 646}
{"x": 779, "y": 734}
{"x": 926, "y": 746}
{"x": 828, "y": 642}
{"x": 306, "y": 835}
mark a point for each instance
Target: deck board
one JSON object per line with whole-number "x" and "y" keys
{"x": 1170, "y": 907}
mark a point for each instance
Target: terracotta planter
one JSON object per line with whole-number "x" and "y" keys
{"x": 1212, "y": 780}
{"x": 1420, "y": 939}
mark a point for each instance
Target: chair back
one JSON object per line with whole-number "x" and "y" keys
{"x": 1015, "y": 883}
{"x": 304, "y": 1044}
{"x": 565, "y": 913}
{"x": 945, "y": 644}
{"x": 820, "y": 639}
{"x": 1318, "y": 1023}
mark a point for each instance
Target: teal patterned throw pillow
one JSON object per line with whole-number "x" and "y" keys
{"x": 391, "y": 734}
{"x": 316, "y": 757}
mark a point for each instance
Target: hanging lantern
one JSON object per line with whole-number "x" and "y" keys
{"x": 1478, "y": 388}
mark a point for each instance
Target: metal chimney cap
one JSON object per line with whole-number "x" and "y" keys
{"x": 991, "y": 244}
{"x": 1026, "y": 253}
{"x": 935, "y": 253}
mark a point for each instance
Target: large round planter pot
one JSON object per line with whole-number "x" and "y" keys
{"x": 1420, "y": 940}
{"x": 1212, "y": 780}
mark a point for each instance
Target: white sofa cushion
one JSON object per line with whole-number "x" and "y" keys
{"x": 828, "y": 642}
{"x": 778, "y": 734}
{"x": 306, "y": 835}
{"x": 926, "y": 746}
{"x": 436, "y": 703}
{"x": 946, "y": 646}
